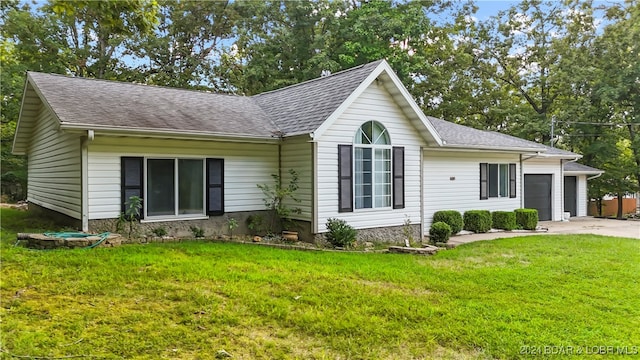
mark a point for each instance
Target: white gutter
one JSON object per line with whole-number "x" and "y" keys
{"x": 165, "y": 133}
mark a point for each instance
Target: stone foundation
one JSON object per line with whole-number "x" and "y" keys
{"x": 214, "y": 226}
{"x": 389, "y": 234}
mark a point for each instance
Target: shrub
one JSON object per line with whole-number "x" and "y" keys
{"x": 478, "y": 221}
{"x": 505, "y": 220}
{"x": 452, "y": 218}
{"x": 159, "y": 231}
{"x": 439, "y": 232}
{"x": 527, "y": 218}
{"x": 340, "y": 233}
{"x": 197, "y": 232}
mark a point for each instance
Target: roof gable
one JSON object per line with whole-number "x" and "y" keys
{"x": 383, "y": 72}
{"x": 302, "y": 108}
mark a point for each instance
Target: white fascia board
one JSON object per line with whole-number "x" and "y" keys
{"x": 412, "y": 103}
{"x": 16, "y": 150}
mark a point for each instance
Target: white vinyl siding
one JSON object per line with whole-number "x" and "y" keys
{"x": 296, "y": 154}
{"x": 452, "y": 182}
{"x": 553, "y": 168}
{"x": 375, "y": 103}
{"x": 54, "y": 167}
{"x": 582, "y": 198}
{"x": 246, "y": 165}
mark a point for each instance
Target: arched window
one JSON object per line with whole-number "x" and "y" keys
{"x": 372, "y": 166}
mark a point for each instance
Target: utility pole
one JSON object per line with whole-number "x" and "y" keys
{"x": 553, "y": 121}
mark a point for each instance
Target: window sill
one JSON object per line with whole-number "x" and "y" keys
{"x": 366, "y": 210}
{"x": 173, "y": 218}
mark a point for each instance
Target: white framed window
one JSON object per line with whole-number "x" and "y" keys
{"x": 174, "y": 187}
{"x": 372, "y": 166}
{"x": 497, "y": 181}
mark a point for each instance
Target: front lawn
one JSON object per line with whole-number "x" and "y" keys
{"x": 190, "y": 300}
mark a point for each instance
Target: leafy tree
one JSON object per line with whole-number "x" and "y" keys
{"x": 186, "y": 47}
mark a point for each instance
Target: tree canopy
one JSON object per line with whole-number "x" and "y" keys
{"x": 575, "y": 63}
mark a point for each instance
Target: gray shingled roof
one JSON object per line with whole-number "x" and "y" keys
{"x": 293, "y": 110}
{"x": 118, "y": 104}
{"x": 463, "y": 136}
{"x": 302, "y": 108}
{"x": 574, "y": 166}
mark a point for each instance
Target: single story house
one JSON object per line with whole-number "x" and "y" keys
{"x": 363, "y": 149}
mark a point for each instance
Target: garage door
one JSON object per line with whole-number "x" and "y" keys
{"x": 537, "y": 194}
{"x": 570, "y": 203}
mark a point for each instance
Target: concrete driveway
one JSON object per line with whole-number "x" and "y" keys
{"x": 577, "y": 225}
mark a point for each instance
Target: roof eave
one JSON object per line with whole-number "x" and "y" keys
{"x": 166, "y": 133}
{"x": 492, "y": 148}
{"x": 587, "y": 172}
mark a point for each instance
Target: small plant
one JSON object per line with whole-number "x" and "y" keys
{"x": 232, "y": 224}
{"x": 340, "y": 233}
{"x": 197, "y": 232}
{"x": 453, "y": 218}
{"x": 159, "y": 231}
{"x": 407, "y": 230}
{"x": 131, "y": 213}
{"x": 527, "y": 218}
{"x": 275, "y": 199}
{"x": 439, "y": 232}
{"x": 255, "y": 223}
{"x": 505, "y": 220}
{"x": 478, "y": 221}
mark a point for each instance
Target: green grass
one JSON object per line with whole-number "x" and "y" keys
{"x": 189, "y": 300}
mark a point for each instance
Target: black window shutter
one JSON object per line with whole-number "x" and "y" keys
{"x": 484, "y": 187}
{"x": 215, "y": 186}
{"x": 131, "y": 179}
{"x": 398, "y": 177}
{"x": 512, "y": 180}
{"x": 345, "y": 178}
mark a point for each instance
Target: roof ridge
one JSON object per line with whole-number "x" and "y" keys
{"x": 341, "y": 72}
{"x": 121, "y": 82}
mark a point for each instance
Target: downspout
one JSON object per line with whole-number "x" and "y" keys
{"x": 521, "y": 183}
{"x": 422, "y": 229}
{"x": 84, "y": 178}
{"x": 594, "y": 176}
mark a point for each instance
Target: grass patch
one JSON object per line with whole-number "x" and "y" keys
{"x": 189, "y": 300}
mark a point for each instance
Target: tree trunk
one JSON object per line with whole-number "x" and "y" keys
{"x": 620, "y": 198}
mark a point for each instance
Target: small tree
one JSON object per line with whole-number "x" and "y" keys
{"x": 276, "y": 198}
{"x": 133, "y": 205}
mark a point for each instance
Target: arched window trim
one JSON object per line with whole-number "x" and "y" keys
{"x": 358, "y": 139}
{"x": 372, "y": 167}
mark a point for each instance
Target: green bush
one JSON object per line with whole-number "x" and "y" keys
{"x": 340, "y": 233}
{"x": 527, "y": 218}
{"x": 159, "y": 231}
{"x": 478, "y": 221}
{"x": 439, "y": 232}
{"x": 452, "y": 218}
{"x": 505, "y": 220}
